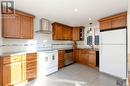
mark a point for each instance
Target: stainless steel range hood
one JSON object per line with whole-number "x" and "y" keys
{"x": 45, "y": 26}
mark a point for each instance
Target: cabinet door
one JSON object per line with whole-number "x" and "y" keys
{"x": 119, "y": 22}
{"x": 106, "y": 24}
{"x": 26, "y": 27}
{"x": 12, "y": 73}
{"x": 11, "y": 26}
{"x": 76, "y": 34}
{"x": 31, "y": 73}
{"x": 83, "y": 57}
{"x": 92, "y": 60}
{"x": 67, "y": 33}
{"x": 57, "y": 32}
{"x": 61, "y": 59}
{"x": 76, "y": 55}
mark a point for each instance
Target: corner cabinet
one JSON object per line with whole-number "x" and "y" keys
{"x": 65, "y": 32}
{"x": 61, "y": 32}
{"x": 114, "y": 22}
{"x": 17, "y": 26}
{"x": 78, "y": 33}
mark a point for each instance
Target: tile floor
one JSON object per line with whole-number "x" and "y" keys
{"x": 75, "y": 75}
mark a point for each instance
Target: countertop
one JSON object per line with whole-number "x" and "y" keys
{"x": 2, "y": 54}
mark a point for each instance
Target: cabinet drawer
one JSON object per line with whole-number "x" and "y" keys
{"x": 31, "y": 65}
{"x": 31, "y": 56}
{"x": 11, "y": 59}
{"x": 32, "y": 73}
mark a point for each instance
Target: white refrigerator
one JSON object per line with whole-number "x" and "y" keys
{"x": 113, "y": 53}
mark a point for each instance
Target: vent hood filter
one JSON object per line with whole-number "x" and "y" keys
{"x": 45, "y": 26}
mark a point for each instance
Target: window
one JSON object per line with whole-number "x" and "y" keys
{"x": 97, "y": 40}
{"x": 89, "y": 40}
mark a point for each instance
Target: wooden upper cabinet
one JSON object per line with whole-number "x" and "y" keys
{"x": 18, "y": 26}
{"x": 61, "y": 32}
{"x": 67, "y": 33}
{"x": 119, "y": 21}
{"x": 26, "y": 27}
{"x": 57, "y": 31}
{"x": 78, "y": 33}
{"x": 106, "y": 24}
{"x": 114, "y": 22}
{"x": 64, "y": 32}
{"x": 11, "y": 26}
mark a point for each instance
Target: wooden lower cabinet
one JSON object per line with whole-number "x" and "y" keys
{"x": 16, "y": 69}
{"x": 61, "y": 59}
{"x": 76, "y": 55}
{"x": 86, "y": 57}
{"x": 92, "y": 60}
{"x": 12, "y": 73}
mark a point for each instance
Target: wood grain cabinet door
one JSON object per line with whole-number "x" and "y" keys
{"x": 92, "y": 60}
{"x": 119, "y": 22}
{"x": 11, "y": 26}
{"x": 26, "y": 27}
{"x": 57, "y": 32}
{"x": 61, "y": 59}
{"x": 67, "y": 33}
{"x": 12, "y": 73}
{"x": 106, "y": 24}
{"x": 76, "y": 34}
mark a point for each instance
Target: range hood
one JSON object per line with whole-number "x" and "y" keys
{"x": 45, "y": 26}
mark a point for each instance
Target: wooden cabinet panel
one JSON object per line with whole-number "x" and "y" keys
{"x": 86, "y": 57}
{"x": 114, "y": 22}
{"x": 64, "y": 32}
{"x": 12, "y": 73}
{"x": 31, "y": 66}
{"x": 31, "y": 73}
{"x": 106, "y": 24}
{"x": 57, "y": 32}
{"x": 26, "y": 27}
{"x": 8, "y": 59}
{"x": 76, "y": 33}
{"x": 67, "y": 33}
{"x": 92, "y": 60}
{"x": 11, "y": 26}
{"x": 61, "y": 59}
{"x": 76, "y": 55}
{"x": 19, "y": 26}
{"x": 119, "y": 22}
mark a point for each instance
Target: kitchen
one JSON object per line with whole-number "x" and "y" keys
{"x": 60, "y": 48}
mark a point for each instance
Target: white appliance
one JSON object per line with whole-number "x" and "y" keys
{"x": 48, "y": 62}
{"x": 113, "y": 53}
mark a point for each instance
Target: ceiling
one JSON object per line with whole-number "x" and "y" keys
{"x": 63, "y": 10}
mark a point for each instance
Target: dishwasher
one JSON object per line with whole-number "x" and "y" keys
{"x": 68, "y": 57}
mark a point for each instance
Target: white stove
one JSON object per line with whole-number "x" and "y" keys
{"x": 48, "y": 62}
